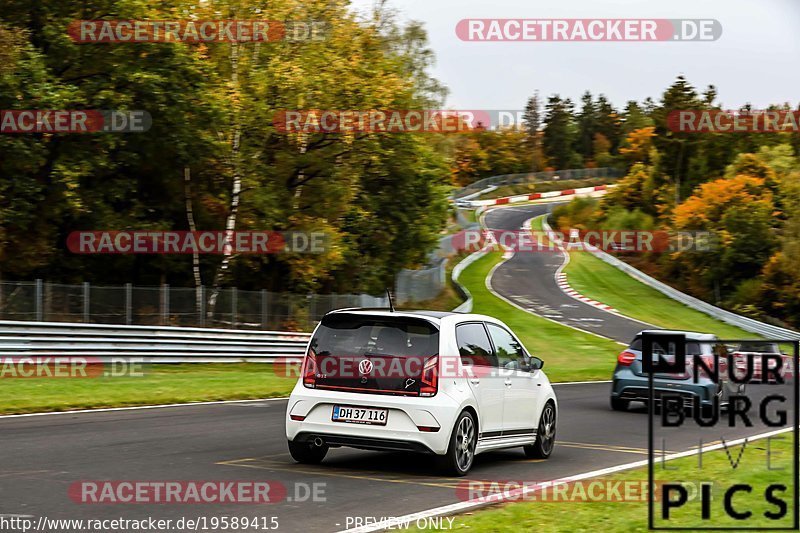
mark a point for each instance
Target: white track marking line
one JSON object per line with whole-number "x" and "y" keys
{"x": 141, "y": 407}
{"x": 572, "y": 293}
{"x": 519, "y": 494}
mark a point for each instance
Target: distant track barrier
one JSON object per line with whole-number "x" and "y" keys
{"x": 539, "y": 196}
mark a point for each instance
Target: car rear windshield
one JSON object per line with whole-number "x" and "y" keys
{"x": 348, "y": 335}
{"x": 692, "y": 347}
{"x": 759, "y": 347}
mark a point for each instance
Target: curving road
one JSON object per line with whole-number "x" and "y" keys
{"x": 528, "y": 280}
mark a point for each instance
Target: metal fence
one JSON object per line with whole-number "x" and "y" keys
{"x": 428, "y": 282}
{"x": 534, "y": 177}
{"x": 423, "y": 284}
{"x": 170, "y": 306}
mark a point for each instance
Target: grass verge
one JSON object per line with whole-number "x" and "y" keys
{"x": 600, "y": 281}
{"x": 632, "y": 515}
{"x": 569, "y": 354}
{"x": 159, "y": 384}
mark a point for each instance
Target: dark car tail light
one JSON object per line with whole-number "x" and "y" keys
{"x": 430, "y": 377}
{"x": 310, "y": 370}
{"x": 709, "y": 360}
{"x": 626, "y": 358}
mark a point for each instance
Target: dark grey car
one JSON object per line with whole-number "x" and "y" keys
{"x": 630, "y": 381}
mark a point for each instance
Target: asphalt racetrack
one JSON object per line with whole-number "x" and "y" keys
{"x": 45, "y": 455}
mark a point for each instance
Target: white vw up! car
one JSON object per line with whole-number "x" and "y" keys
{"x": 448, "y": 384}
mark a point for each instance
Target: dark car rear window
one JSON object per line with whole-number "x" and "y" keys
{"x": 692, "y": 347}
{"x": 759, "y": 347}
{"x": 356, "y": 335}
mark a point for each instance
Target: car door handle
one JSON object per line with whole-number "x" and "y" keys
{"x": 475, "y": 381}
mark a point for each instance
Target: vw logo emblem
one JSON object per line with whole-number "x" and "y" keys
{"x": 365, "y": 366}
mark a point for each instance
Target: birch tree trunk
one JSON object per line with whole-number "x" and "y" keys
{"x": 236, "y": 188}
{"x": 198, "y": 280}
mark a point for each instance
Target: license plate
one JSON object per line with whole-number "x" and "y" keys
{"x": 360, "y": 415}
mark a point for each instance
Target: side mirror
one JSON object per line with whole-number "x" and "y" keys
{"x": 536, "y": 364}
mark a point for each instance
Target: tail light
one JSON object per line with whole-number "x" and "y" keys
{"x": 310, "y": 370}
{"x": 708, "y": 360}
{"x": 625, "y": 358}
{"x": 430, "y": 377}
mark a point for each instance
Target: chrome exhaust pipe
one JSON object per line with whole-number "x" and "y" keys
{"x": 318, "y": 442}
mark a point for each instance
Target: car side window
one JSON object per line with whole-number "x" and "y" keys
{"x": 507, "y": 348}
{"x": 474, "y": 346}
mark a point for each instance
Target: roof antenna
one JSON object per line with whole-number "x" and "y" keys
{"x": 391, "y": 305}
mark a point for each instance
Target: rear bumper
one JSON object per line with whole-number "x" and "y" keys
{"x": 401, "y": 432}
{"x": 638, "y": 390}
{"x": 364, "y": 443}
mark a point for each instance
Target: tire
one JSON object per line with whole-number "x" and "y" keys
{"x": 545, "y": 435}
{"x": 461, "y": 450}
{"x": 618, "y": 404}
{"x": 707, "y": 411}
{"x": 307, "y": 453}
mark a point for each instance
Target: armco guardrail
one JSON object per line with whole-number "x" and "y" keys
{"x": 153, "y": 344}
{"x": 466, "y": 305}
{"x": 540, "y": 196}
{"x": 534, "y": 177}
{"x": 747, "y": 324}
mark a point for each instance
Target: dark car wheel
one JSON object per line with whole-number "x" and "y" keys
{"x": 545, "y": 435}
{"x": 461, "y": 451}
{"x": 618, "y": 404}
{"x": 307, "y": 453}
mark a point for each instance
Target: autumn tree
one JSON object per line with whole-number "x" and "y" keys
{"x": 638, "y": 145}
{"x": 740, "y": 213}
